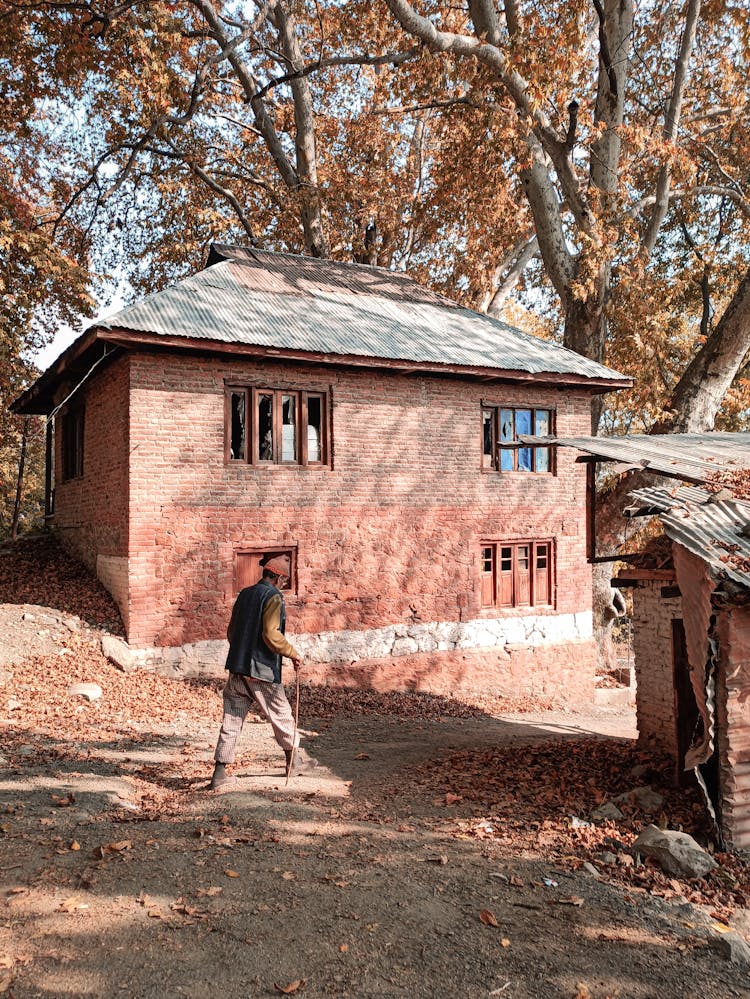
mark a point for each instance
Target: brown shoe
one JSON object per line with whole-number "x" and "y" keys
{"x": 221, "y": 780}
{"x": 303, "y": 762}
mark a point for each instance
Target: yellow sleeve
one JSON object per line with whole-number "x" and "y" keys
{"x": 272, "y": 636}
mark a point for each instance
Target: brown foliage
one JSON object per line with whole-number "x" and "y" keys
{"x": 36, "y": 570}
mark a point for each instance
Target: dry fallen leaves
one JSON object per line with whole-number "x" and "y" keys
{"x": 119, "y": 847}
{"x": 488, "y": 917}
{"x": 290, "y": 989}
{"x": 72, "y": 904}
{"x": 231, "y": 874}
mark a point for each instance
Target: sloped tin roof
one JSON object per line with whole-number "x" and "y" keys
{"x": 715, "y": 530}
{"x": 683, "y": 456}
{"x": 285, "y": 302}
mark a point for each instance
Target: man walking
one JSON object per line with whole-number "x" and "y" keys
{"x": 256, "y": 645}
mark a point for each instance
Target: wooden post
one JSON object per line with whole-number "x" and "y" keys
{"x": 19, "y": 481}
{"x": 591, "y": 510}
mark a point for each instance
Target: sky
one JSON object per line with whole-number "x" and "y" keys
{"x": 66, "y": 334}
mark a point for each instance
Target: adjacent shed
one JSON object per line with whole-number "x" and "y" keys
{"x": 691, "y": 613}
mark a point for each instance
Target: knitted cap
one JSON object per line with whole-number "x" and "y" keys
{"x": 279, "y": 565}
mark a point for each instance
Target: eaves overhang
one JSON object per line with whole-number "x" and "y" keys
{"x": 37, "y": 399}
{"x": 132, "y": 339}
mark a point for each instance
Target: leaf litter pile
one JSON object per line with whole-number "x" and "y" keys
{"x": 537, "y": 801}
{"x": 36, "y": 570}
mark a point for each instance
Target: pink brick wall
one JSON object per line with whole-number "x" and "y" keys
{"x": 91, "y": 512}
{"x": 545, "y": 673}
{"x": 391, "y": 533}
{"x": 654, "y": 666}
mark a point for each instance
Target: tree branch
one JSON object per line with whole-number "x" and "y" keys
{"x": 507, "y": 274}
{"x": 671, "y": 122}
{"x": 516, "y": 86}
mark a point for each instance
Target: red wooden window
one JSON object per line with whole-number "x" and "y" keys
{"x": 276, "y": 427}
{"x": 518, "y": 574}
{"x": 248, "y": 570}
{"x": 501, "y": 449}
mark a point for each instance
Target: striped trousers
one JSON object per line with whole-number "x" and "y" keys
{"x": 239, "y": 694}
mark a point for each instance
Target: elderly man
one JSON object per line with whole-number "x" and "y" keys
{"x": 256, "y": 645}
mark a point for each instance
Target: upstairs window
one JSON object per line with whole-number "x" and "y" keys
{"x": 276, "y": 427}
{"x": 501, "y": 449}
{"x": 72, "y": 444}
{"x": 517, "y": 574}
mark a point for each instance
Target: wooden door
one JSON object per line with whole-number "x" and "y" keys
{"x": 685, "y": 708}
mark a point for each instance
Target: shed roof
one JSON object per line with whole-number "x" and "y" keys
{"x": 301, "y": 304}
{"x": 713, "y": 529}
{"x": 691, "y": 457}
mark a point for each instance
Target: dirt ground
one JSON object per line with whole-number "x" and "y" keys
{"x": 432, "y": 853}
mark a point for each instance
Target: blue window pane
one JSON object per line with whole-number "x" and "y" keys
{"x": 542, "y": 423}
{"x": 506, "y": 460}
{"x": 506, "y": 425}
{"x": 523, "y": 421}
{"x": 542, "y": 459}
{"x": 524, "y": 459}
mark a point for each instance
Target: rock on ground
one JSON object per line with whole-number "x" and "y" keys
{"x": 676, "y": 852}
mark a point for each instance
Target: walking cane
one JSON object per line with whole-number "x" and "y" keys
{"x": 296, "y": 723}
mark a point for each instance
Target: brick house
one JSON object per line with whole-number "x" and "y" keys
{"x": 372, "y": 429}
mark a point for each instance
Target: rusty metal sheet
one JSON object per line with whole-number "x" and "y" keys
{"x": 713, "y": 530}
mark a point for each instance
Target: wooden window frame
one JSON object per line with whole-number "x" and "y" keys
{"x": 251, "y": 450}
{"x": 493, "y": 462}
{"x": 502, "y": 589}
{"x": 248, "y": 576}
{"x": 72, "y": 430}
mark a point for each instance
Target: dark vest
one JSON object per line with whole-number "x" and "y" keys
{"x": 248, "y": 653}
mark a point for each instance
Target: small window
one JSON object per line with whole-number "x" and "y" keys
{"x": 276, "y": 427}
{"x": 517, "y": 574}
{"x": 501, "y": 448}
{"x": 72, "y": 443}
{"x": 248, "y": 570}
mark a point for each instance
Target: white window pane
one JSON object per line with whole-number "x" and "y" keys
{"x": 288, "y": 428}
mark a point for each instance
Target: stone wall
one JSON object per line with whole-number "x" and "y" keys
{"x": 557, "y": 667}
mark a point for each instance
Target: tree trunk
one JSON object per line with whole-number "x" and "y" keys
{"x": 698, "y": 394}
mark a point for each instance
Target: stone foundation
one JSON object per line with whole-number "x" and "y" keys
{"x": 543, "y": 656}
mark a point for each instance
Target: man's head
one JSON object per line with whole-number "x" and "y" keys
{"x": 278, "y": 567}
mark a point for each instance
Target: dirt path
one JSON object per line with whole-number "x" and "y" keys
{"x": 122, "y": 875}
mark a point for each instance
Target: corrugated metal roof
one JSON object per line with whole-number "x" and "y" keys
{"x": 684, "y": 456}
{"x": 319, "y": 306}
{"x": 710, "y": 528}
